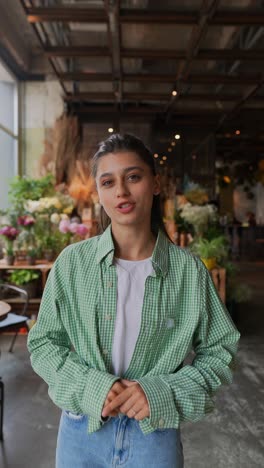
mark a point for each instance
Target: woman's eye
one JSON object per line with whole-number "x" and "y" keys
{"x": 106, "y": 183}
{"x": 134, "y": 177}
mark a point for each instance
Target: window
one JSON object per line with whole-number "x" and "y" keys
{"x": 8, "y": 132}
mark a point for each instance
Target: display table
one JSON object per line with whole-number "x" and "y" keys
{"x": 42, "y": 265}
{"x": 219, "y": 279}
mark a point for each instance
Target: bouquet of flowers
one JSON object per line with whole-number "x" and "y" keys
{"x": 73, "y": 231}
{"x": 59, "y": 203}
{"x": 198, "y": 216}
{"x": 9, "y": 233}
{"x": 26, "y": 221}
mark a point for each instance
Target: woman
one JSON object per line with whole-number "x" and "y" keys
{"x": 119, "y": 314}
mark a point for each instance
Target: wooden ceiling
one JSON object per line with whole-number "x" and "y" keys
{"x": 198, "y": 63}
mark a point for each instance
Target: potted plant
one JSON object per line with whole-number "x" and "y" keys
{"x": 27, "y": 279}
{"x": 210, "y": 251}
{"x": 31, "y": 256}
{"x": 9, "y": 233}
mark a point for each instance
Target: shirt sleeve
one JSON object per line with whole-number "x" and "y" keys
{"x": 73, "y": 385}
{"x": 187, "y": 395}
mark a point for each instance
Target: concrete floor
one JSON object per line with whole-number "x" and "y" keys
{"x": 231, "y": 437}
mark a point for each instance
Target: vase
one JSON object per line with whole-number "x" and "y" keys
{"x": 210, "y": 263}
{"x": 30, "y": 260}
{"x": 49, "y": 255}
{"x": 10, "y": 259}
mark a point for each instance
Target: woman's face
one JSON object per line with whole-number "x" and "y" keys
{"x": 126, "y": 187}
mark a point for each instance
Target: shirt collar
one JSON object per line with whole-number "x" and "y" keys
{"x": 105, "y": 251}
{"x": 106, "y": 247}
{"x": 160, "y": 254}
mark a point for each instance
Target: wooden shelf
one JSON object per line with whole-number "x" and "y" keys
{"x": 18, "y": 300}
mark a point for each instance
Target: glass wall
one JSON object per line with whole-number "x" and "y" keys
{"x": 8, "y": 132}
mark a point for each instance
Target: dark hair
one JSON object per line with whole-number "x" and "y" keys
{"x": 115, "y": 144}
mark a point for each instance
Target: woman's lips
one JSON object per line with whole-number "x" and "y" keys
{"x": 125, "y": 208}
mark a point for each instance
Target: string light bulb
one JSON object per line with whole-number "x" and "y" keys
{"x": 161, "y": 162}
{"x": 238, "y": 132}
{"x": 173, "y": 143}
{"x": 169, "y": 150}
{"x": 110, "y": 130}
{"x": 156, "y": 155}
{"x": 164, "y": 158}
{"x": 174, "y": 92}
{"x": 177, "y": 136}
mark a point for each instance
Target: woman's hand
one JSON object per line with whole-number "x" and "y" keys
{"x": 115, "y": 390}
{"x": 131, "y": 401}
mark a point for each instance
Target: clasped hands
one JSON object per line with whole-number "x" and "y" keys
{"x": 126, "y": 397}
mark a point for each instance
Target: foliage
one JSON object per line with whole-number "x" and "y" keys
{"x": 20, "y": 277}
{"x": 240, "y": 293}
{"x": 213, "y": 230}
{"x": 27, "y": 188}
{"x": 205, "y": 248}
{"x": 31, "y": 252}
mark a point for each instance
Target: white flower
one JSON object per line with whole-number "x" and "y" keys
{"x": 55, "y": 218}
{"x": 32, "y": 205}
{"x": 198, "y": 215}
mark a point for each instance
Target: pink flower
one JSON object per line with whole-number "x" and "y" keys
{"x": 9, "y": 232}
{"x": 64, "y": 226}
{"x": 74, "y": 227}
{"x": 82, "y": 230}
{"x": 26, "y": 220}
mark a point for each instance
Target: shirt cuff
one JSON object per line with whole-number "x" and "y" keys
{"x": 95, "y": 392}
{"x": 163, "y": 412}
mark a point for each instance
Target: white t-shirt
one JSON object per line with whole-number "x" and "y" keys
{"x": 131, "y": 277}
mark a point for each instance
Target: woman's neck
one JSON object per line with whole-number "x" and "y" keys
{"x": 133, "y": 244}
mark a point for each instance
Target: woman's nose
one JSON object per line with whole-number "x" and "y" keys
{"x": 121, "y": 189}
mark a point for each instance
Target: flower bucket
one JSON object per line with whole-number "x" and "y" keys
{"x": 210, "y": 263}
{"x": 10, "y": 259}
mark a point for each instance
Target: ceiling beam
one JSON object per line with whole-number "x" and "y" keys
{"x": 164, "y": 78}
{"x": 77, "y": 51}
{"x": 90, "y": 15}
{"x": 149, "y": 97}
{"x": 66, "y": 14}
{"x": 114, "y": 35}
{"x": 162, "y": 54}
{"x": 199, "y": 31}
{"x": 248, "y": 94}
{"x": 40, "y": 39}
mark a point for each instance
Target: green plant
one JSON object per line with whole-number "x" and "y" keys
{"x": 20, "y": 277}
{"x": 51, "y": 241}
{"x": 26, "y": 188}
{"x": 205, "y": 248}
{"x": 31, "y": 252}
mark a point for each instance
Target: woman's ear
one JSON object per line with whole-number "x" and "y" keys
{"x": 157, "y": 185}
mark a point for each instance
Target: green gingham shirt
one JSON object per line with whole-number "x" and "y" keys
{"x": 71, "y": 343}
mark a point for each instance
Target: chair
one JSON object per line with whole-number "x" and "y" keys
{"x": 11, "y": 321}
{"x": 14, "y": 321}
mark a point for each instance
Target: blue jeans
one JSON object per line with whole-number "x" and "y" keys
{"x": 119, "y": 443}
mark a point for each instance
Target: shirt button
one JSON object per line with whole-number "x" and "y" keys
{"x": 108, "y": 317}
{"x": 105, "y": 351}
{"x": 161, "y": 422}
{"x": 110, "y": 284}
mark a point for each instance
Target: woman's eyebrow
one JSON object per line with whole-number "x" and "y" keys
{"x": 127, "y": 169}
